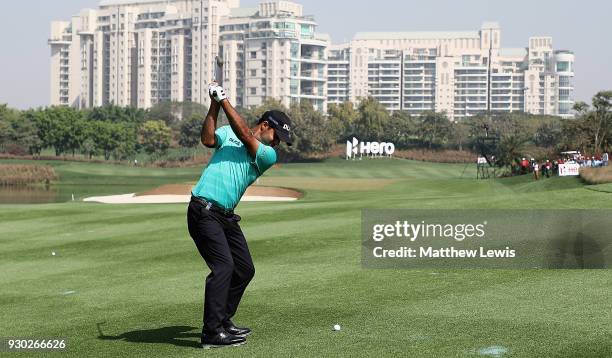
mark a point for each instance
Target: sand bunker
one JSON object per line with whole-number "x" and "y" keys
{"x": 181, "y": 193}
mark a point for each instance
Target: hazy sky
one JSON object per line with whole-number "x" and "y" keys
{"x": 581, "y": 26}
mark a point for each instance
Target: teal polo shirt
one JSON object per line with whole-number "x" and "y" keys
{"x": 231, "y": 170}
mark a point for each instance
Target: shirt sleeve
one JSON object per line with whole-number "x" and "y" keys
{"x": 265, "y": 158}
{"x": 221, "y": 136}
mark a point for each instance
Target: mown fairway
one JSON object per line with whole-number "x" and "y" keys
{"x": 127, "y": 280}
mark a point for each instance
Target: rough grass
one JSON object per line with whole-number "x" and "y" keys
{"x": 438, "y": 156}
{"x": 127, "y": 281}
{"x": 601, "y": 175}
{"x": 24, "y": 174}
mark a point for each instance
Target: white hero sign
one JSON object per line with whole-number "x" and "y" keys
{"x": 355, "y": 147}
{"x": 567, "y": 170}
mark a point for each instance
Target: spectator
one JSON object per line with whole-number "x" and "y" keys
{"x": 524, "y": 166}
{"x": 604, "y": 159}
{"x": 536, "y": 168}
{"x": 546, "y": 168}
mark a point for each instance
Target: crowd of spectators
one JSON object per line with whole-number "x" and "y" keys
{"x": 595, "y": 161}
{"x": 548, "y": 168}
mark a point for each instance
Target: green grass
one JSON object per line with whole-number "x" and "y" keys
{"x": 134, "y": 272}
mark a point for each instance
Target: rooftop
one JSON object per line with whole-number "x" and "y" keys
{"x": 513, "y": 52}
{"x": 243, "y": 12}
{"x": 431, "y": 35}
{"x": 129, "y": 2}
{"x": 490, "y": 25}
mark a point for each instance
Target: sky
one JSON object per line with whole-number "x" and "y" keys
{"x": 581, "y": 26}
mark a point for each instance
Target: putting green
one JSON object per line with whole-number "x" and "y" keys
{"x": 127, "y": 281}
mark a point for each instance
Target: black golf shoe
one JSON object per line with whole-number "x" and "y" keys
{"x": 237, "y": 331}
{"x": 222, "y": 339}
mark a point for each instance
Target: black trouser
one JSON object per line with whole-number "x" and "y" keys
{"x": 222, "y": 245}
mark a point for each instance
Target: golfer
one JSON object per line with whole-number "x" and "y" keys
{"x": 242, "y": 154}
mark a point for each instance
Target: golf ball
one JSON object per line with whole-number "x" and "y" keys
{"x": 53, "y": 253}
{"x": 337, "y": 327}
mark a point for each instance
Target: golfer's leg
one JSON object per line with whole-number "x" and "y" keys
{"x": 208, "y": 235}
{"x": 244, "y": 270}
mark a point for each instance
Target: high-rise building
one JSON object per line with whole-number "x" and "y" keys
{"x": 460, "y": 73}
{"x": 338, "y": 71}
{"x": 141, "y": 52}
{"x": 136, "y": 52}
{"x": 273, "y": 52}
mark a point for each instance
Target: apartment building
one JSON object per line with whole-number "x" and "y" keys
{"x": 460, "y": 73}
{"x": 136, "y": 52}
{"x": 142, "y": 52}
{"x": 338, "y": 71}
{"x": 272, "y": 51}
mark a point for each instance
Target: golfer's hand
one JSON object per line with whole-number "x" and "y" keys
{"x": 212, "y": 84}
{"x": 216, "y": 92}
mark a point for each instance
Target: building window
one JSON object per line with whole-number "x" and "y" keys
{"x": 253, "y": 73}
{"x": 563, "y": 66}
{"x": 253, "y": 90}
{"x": 253, "y": 54}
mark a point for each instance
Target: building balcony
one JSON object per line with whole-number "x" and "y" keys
{"x": 417, "y": 60}
{"x": 337, "y": 78}
{"x": 418, "y": 102}
{"x": 339, "y": 64}
{"x": 384, "y": 95}
{"x": 315, "y": 60}
{"x": 58, "y": 41}
{"x": 309, "y": 78}
{"x": 309, "y": 96}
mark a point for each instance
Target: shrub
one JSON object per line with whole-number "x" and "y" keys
{"x": 597, "y": 175}
{"x": 23, "y": 174}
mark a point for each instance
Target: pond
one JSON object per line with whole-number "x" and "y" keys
{"x": 41, "y": 194}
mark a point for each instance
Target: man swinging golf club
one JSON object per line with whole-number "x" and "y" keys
{"x": 242, "y": 154}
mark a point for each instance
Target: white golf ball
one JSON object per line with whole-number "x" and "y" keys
{"x": 337, "y": 327}
{"x": 53, "y": 253}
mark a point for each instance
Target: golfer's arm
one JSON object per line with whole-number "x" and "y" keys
{"x": 240, "y": 128}
{"x": 207, "y": 136}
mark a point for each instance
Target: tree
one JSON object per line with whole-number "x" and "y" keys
{"x": 269, "y": 104}
{"x": 434, "y": 129}
{"x": 373, "y": 117}
{"x": 343, "y": 118}
{"x": 103, "y": 135}
{"x": 601, "y": 120}
{"x": 399, "y": 129}
{"x": 460, "y": 133}
{"x": 575, "y": 135}
{"x": 155, "y": 137}
{"x": 173, "y": 113}
{"x": 549, "y": 133}
{"x": 126, "y": 137}
{"x": 510, "y": 147}
{"x": 190, "y": 130}
{"x": 116, "y": 114}
{"x": 58, "y": 127}
{"x": 26, "y": 134}
{"x": 592, "y": 128}
{"x": 310, "y": 130}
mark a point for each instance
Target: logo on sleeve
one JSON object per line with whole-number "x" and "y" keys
{"x": 235, "y": 141}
